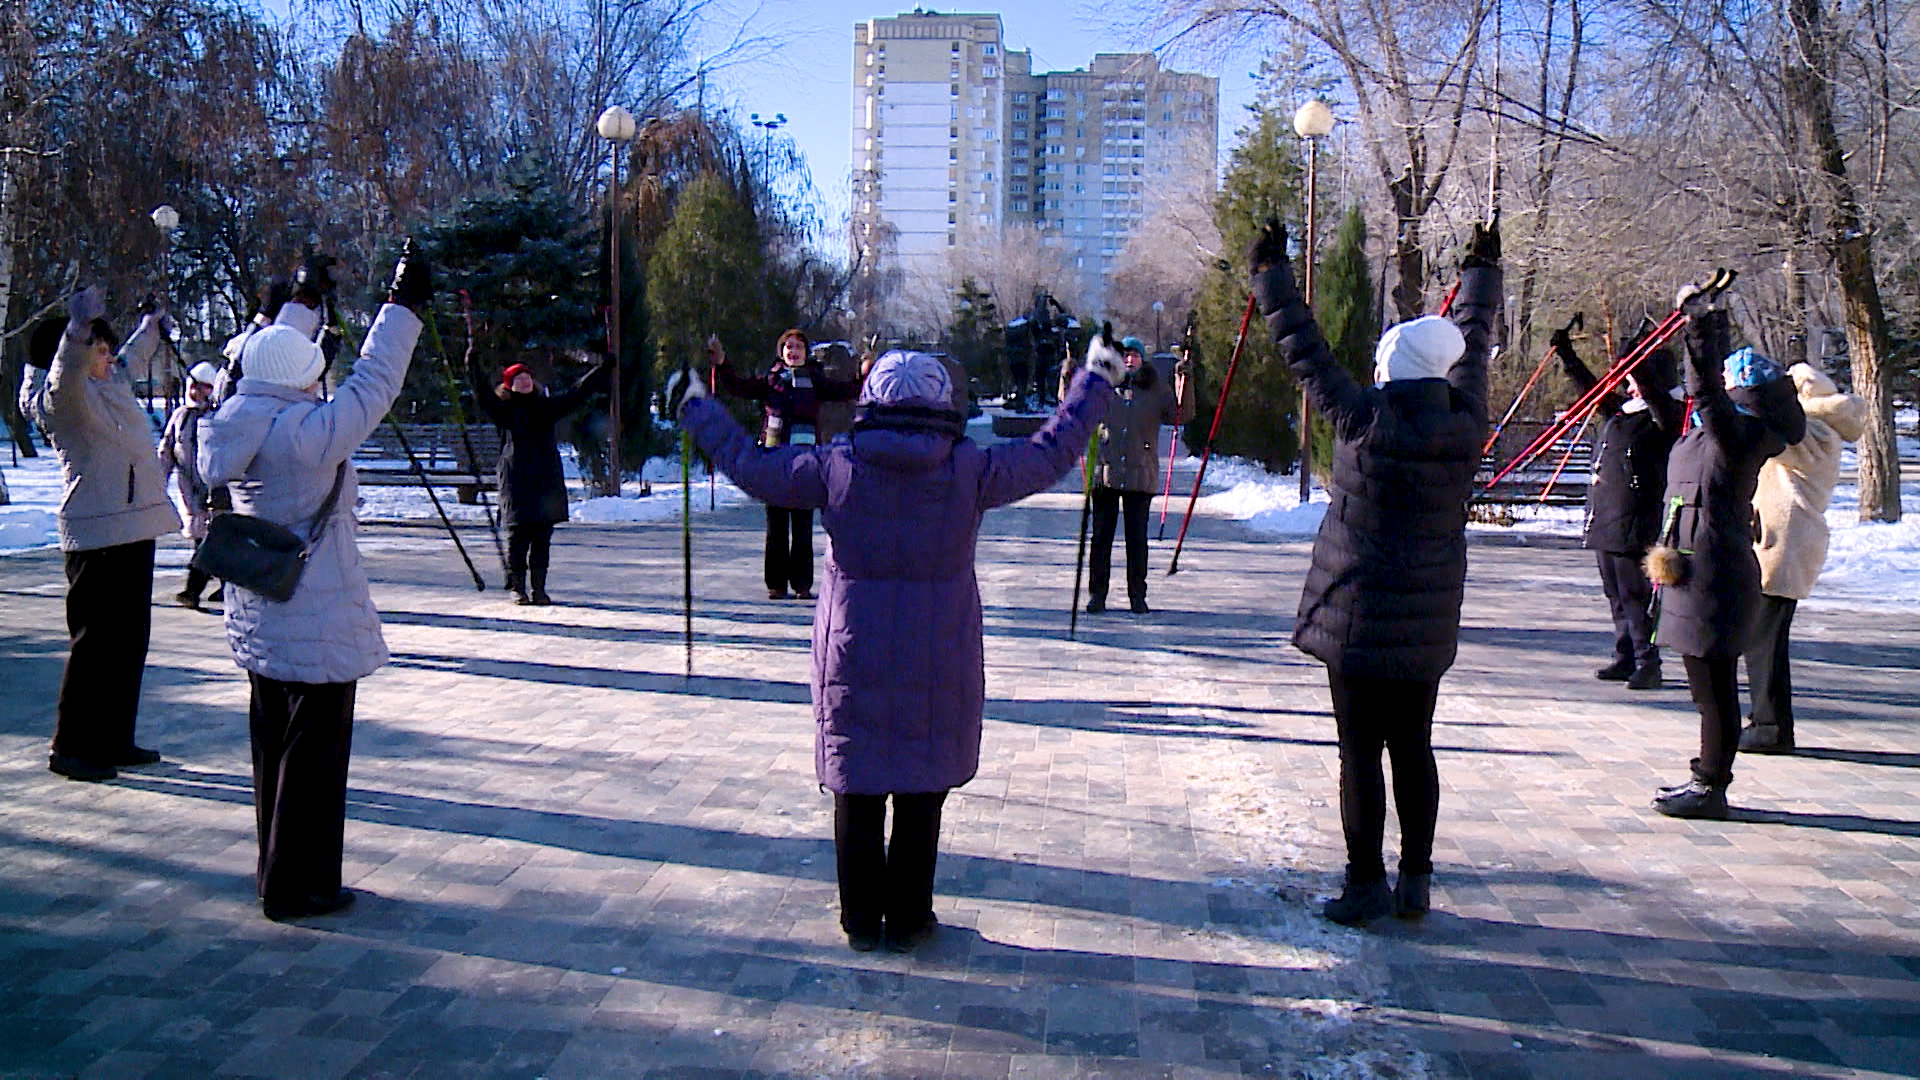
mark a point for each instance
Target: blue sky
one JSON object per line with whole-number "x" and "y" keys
{"x": 810, "y": 80}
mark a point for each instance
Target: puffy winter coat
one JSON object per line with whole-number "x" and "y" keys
{"x": 792, "y": 397}
{"x": 115, "y": 492}
{"x": 1382, "y": 599}
{"x": 279, "y": 450}
{"x": 1711, "y": 479}
{"x": 532, "y": 484}
{"x": 180, "y": 457}
{"x": 1130, "y": 435}
{"x": 1796, "y": 485}
{"x": 898, "y": 678}
{"x": 1630, "y": 467}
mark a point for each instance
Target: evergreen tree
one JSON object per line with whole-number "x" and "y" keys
{"x": 1264, "y": 179}
{"x": 1343, "y": 306}
{"x": 705, "y": 276}
{"x": 976, "y": 336}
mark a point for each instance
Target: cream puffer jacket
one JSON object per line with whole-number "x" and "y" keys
{"x": 1796, "y": 485}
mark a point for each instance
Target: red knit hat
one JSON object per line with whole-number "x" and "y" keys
{"x": 507, "y": 376}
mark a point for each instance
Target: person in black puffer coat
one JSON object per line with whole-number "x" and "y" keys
{"x": 1744, "y": 412}
{"x": 532, "y": 484}
{"x": 1623, "y": 505}
{"x": 1381, "y": 607}
{"x": 792, "y": 393}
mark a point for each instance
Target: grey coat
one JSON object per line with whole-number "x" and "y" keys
{"x": 278, "y": 449}
{"x": 115, "y": 492}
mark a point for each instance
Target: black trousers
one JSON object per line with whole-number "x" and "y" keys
{"x": 109, "y": 620}
{"x": 882, "y": 877}
{"x": 529, "y": 546}
{"x": 1109, "y": 506}
{"x": 196, "y": 579}
{"x": 1769, "y": 680}
{"x": 789, "y": 549}
{"x": 302, "y": 736}
{"x": 1716, "y": 694}
{"x": 1395, "y": 715}
{"x": 1630, "y": 596}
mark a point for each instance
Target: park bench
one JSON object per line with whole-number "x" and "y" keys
{"x": 1527, "y": 484}
{"x": 381, "y": 461}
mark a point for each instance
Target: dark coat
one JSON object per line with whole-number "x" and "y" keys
{"x": 1130, "y": 435}
{"x": 1630, "y": 467}
{"x": 792, "y": 397}
{"x": 1711, "y": 479}
{"x": 533, "y": 487}
{"x": 1382, "y": 599}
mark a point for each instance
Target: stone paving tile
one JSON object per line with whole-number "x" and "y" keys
{"x": 578, "y": 863}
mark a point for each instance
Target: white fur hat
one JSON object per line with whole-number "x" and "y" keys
{"x": 1422, "y": 348}
{"x": 203, "y": 372}
{"x": 282, "y": 355}
{"x": 908, "y": 378}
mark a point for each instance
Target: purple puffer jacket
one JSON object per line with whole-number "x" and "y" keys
{"x": 899, "y": 682}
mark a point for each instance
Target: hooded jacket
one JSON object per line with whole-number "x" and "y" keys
{"x": 179, "y": 455}
{"x": 1630, "y": 466}
{"x": 529, "y": 476}
{"x": 1795, "y": 486}
{"x": 1711, "y": 479}
{"x": 899, "y": 681}
{"x": 1382, "y": 598}
{"x": 1130, "y": 435}
{"x": 279, "y": 450}
{"x": 114, "y": 490}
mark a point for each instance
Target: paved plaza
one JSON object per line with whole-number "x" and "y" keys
{"x": 577, "y": 863}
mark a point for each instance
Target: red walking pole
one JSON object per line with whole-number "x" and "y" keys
{"x": 1166, "y": 493}
{"x": 1219, "y": 409}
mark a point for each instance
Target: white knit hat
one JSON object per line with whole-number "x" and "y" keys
{"x": 1422, "y": 348}
{"x": 283, "y": 356}
{"x": 204, "y": 372}
{"x": 908, "y": 378}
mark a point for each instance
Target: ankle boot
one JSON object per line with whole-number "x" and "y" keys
{"x": 1646, "y": 677}
{"x": 1693, "y": 800}
{"x": 1619, "y": 671}
{"x": 1766, "y": 739}
{"x": 1360, "y": 904}
{"x": 1412, "y": 895}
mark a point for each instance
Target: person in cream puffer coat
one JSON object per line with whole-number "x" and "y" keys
{"x": 1790, "y": 505}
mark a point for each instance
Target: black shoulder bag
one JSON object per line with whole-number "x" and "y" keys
{"x": 260, "y": 556}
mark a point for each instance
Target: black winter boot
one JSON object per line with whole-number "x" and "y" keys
{"x": 1360, "y": 904}
{"x": 1096, "y": 605}
{"x": 1693, "y": 800}
{"x": 517, "y": 588}
{"x": 1412, "y": 895}
{"x": 1619, "y": 671}
{"x": 1766, "y": 739}
{"x": 1646, "y": 677}
{"x": 540, "y": 597}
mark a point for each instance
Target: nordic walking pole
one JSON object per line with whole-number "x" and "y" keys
{"x": 454, "y": 383}
{"x": 1206, "y": 455}
{"x": 1579, "y": 322}
{"x": 479, "y": 583}
{"x": 1086, "y": 514}
{"x": 1173, "y": 440}
{"x": 1572, "y": 445}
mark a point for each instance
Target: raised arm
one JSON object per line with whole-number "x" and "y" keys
{"x": 483, "y": 393}
{"x": 63, "y": 403}
{"x": 788, "y": 476}
{"x": 1708, "y": 337}
{"x": 1476, "y": 311}
{"x": 590, "y": 384}
{"x": 1341, "y": 400}
{"x": 1016, "y": 470}
{"x": 330, "y": 433}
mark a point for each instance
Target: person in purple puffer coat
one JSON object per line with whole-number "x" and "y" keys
{"x": 899, "y": 682}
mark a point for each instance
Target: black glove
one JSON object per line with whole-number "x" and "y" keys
{"x": 329, "y": 344}
{"x": 1269, "y": 246}
{"x": 1273, "y": 286}
{"x": 412, "y": 284}
{"x": 1484, "y": 249}
{"x": 1562, "y": 343}
{"x": 276, "y": 296}
{"x": 1694, "y": 300}
{"x": 314, "y": 280}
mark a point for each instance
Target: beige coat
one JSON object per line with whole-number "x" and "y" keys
{"x": 1796, "y": 485}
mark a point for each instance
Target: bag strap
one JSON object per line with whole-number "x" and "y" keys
{"x": 326, "y": 510}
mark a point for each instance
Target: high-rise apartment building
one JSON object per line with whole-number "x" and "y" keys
{"x": 956, "y": 139}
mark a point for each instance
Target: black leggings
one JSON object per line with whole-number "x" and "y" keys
{"x": 789, "y": 562}
{"x": 1395, "y": 715}
{"x": 1109, "y": 507}
{"x": 529, "y": 546}
{"x": 1716, "y": 693}
{"x": 880, "y": 878}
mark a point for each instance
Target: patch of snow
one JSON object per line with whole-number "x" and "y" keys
{"x": 25, "y": 527}
{"x": 35, "y": 487}
{"x": 1267, "y": 504}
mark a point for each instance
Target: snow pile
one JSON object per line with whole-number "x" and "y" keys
{"x": 1265, "y": 503}
{"x": 35, "y": 487}
{"x": 662, "y": 504}
{"x": 1872, "y": 564}
{"x": 27, "y": 527}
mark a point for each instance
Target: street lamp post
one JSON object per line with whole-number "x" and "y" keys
{"x": 767, "y": 128}
{"x": 1158, "y": 307}
{"x": 166, "y": 219}
{"x": 616, "y": 125}
{"x": 1312, "y": 122}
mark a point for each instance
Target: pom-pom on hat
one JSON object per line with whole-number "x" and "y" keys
{"x": 283, "y": 356}
{"x": 908, "y": 378}
{"x": 1422, "y": 348}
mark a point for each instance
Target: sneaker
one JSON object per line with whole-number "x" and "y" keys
{"x": 1096, "y": 605}
{"x": 1412, "y": 895}
{"x": 1646, "y": 678}
{"x": 910, "y": 940}
{"x": 74, "y": 768}
{"x": 1756, "y": 739}
{"x": 136, "y": 756}
{"x": 1693, "y": 800}
{"x": 1618, "y": 671}
{"x": 1139, "y": 607}
{"x": 186, "y": 600}
{"x": 1358, "y": 905}
{"x": 776, "y": 594}
{"x": 307, "y": 907}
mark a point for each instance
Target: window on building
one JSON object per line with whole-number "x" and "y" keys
{"x": 1056, "y": 95}
{"x": 953, "y": 133}
{"x": 1020, "y": 114}
{"x": 952, "y": 218}
{"x": 1055, "y": 112}
{"x": 1166, "y": 117}
{"x": 1019, "y": 205}
{"x": 1017, "y": 188}
{"x": 956, "y": 47}
{"x": 1056, "y": 148}
{"x": 1053, "y": 185}
{"x": 1079, "y": 170}
{"x": 1080, "y": 114}
{"x": 1019, "y": 169}
{"x": 1020, "y": 98}
{"x": 950, "y": 240}
{"x": 953, "y": 196}
{"x": 989, "y": 72}
{"x": 953, "y": 155}
{"x": 989, "y": 49}
{"x": 1079, "y": 133}
{"x": 1019, "y": 150}
{"x": 953, "y": 89}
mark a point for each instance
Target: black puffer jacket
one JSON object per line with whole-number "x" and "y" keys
{"x": 533, "y": 487}
{"x": 1382, "y": 599}
{"x": 1710, "y": 483}
{"x": 1630, "y": 467}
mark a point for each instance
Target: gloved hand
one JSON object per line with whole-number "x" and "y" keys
{"x": 1483, "y": 250}
{"x": 1272, "y": 277}
{"x": 83, "y": 307}
{"x": 683, "y": 387}
{"x": 1183, "y": 367}
{"x": 1562, "y": 343}
{"x": 1104, "y": 357}
{"x": 314, "y": 280}
{"x": 1694, "y": 300}
{"x": 716, "y": 352}
{"x": 1269, "y": 246}
{"x": 412, "y": 284}
{"x": 275, "y": 297}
